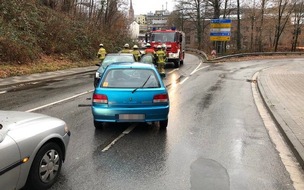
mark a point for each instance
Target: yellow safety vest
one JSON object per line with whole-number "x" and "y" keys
{"x": 136, "y": 54}
{"x": 160, "y": 56}
{"x": 126, "y": 51}
{"x": 102, "y": 52}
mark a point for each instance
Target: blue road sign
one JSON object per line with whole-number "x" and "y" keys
{"x": 220, "y": 33}
{"x": 221, "y": 21}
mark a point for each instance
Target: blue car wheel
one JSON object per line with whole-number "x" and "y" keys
{"x": 163, "y": 124}
{"x": 98, "y": 125}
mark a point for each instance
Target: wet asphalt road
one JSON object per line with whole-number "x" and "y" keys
{"x": 215, "y": 137}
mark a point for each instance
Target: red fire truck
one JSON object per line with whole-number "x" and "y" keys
{"x": 175, "y": 44}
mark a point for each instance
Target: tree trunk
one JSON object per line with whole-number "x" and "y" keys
{"x": 238, "y": 42}
{"x": 260, "y": 40}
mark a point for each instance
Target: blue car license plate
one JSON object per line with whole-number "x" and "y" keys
{"x": 131, "y": 116}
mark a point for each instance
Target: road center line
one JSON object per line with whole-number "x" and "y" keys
{"x": 172, "y": 71}
{"x": 125, "y": 132}
{"x": 197, "y": 69}
{"x": 184, "y": 80}
{"x": 57, "y": 102}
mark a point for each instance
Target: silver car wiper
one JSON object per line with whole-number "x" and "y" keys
{"x": 143, "y": 84}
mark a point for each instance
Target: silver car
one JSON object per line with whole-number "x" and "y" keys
{"x": 32, "y": 149}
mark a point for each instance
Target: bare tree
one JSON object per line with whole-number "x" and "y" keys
{"x": 194, "y": 10}
{"x": 238, "y": 38}
{"x": 285, "y": 9}
{"x": 298, "y": 17}
{"x": 260, "y": 28}
{"x": 216, "y": 4}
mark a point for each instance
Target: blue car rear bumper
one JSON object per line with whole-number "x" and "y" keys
{"x": 150, "y": 114}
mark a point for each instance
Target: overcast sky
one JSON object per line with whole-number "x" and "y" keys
{"x": 145, "y": 6}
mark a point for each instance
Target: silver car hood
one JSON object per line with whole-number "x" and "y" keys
{"x": 11, "y": 119}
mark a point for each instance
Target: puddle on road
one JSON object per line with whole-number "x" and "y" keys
{"x": 208, "y": 174}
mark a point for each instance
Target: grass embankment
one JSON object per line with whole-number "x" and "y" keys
{"x": 36, "y": 38}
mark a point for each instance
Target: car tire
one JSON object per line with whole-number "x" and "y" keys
{"x": 177, "y": 63}
{"x": 163, "y": 124}
{"x": 98, "y": 125}
{"x": 46, "y": 167}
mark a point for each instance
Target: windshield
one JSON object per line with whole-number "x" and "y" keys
{"x": 163, "y": 37}
{"x": 130, "y": 78}
{"x": 147, "y": 59}
{"x": 109, "y": 59}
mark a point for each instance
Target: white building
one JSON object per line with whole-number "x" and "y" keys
{"x": 134, "y": 30}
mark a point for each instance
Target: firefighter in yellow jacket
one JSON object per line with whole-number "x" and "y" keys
{"x": 160, "y": 60}
{"x": 136, "y": 53}
{"x": 126, "y": 49}
{"x": 101, "y": 54}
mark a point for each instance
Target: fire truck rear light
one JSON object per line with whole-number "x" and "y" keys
{"x": 100, "y": 98}
{"x": 161, "y": 98}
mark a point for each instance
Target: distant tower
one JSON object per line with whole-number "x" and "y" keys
{"x": 131, "y": 12}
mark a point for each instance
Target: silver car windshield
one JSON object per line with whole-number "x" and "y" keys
{"x": 117, "y": 58}
{"x": 130, "y": 78}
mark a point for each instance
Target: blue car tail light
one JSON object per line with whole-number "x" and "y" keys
{"x": 161, "y": 98}
{"x": 100, "y": 98}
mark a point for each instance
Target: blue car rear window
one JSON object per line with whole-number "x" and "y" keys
{"x": 130, "y": 78}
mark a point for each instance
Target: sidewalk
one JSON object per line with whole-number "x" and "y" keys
{"x": 282, "y": 89}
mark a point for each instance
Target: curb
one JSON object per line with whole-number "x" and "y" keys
{"x": 18, "y": 80}
{"x": 288, "y": 135}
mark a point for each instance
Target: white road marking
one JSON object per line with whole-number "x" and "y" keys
{"x": 3, "y": 92}
{"x": 184, "y": 80}
{"x": 57, "y": 102}
{"x": 197, "y": 69}
{"x": 289, "y": 161}
{"x": 172, "y": 71}
{"x": 125, "y": 132}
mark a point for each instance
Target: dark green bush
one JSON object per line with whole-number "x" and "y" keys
{"x": 29, "y": 29}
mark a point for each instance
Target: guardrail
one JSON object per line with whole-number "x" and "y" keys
{"x": 205, "y": 56}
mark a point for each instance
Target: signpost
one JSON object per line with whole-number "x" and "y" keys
{"x": 220, "y": 30}
{"x": 220, "y": 33}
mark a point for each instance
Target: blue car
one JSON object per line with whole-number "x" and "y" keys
{"x": 130, "y": 92}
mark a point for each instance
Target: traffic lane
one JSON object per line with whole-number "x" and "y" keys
{"x": 36, "y": 94}
{"x": 225, "y": 127}
{"x": 120, "y": 167}
{"x": 87, "y": 148}
{"x": 32, "y": 95}
{"x": 87, "y": 165}
{"x": 191, "y": 61}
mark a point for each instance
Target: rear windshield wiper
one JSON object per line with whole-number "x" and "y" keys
{"x": 142, "y": 85}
